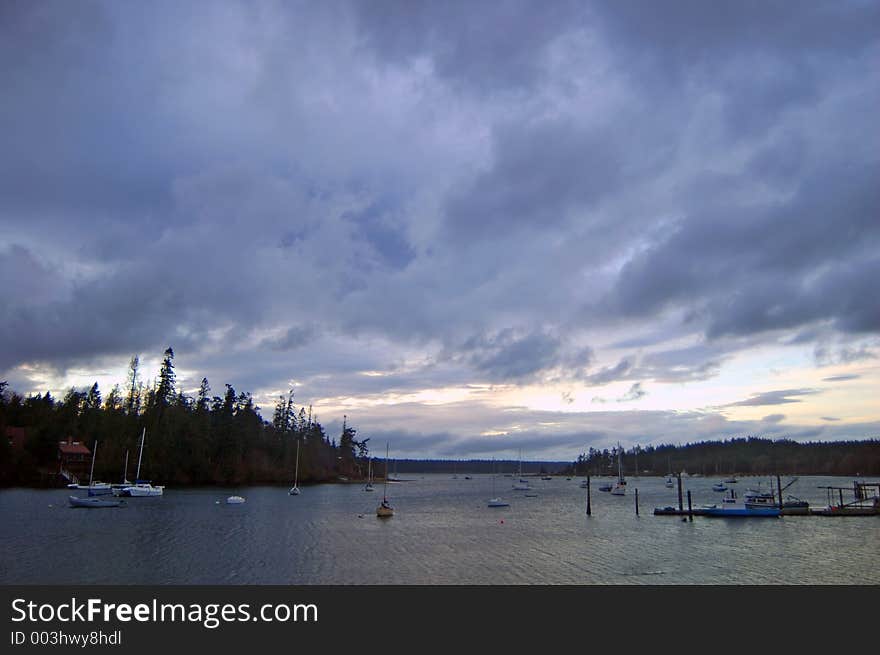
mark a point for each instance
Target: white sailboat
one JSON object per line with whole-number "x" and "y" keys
{"x": 369, "y": 485}
{"x": 141, "y": 488}
{"x": 495, "y": 501}
{"x": 97, "y": 488}
{"x": 294, "y": 490}
{"x": 393, "y": 477}
{"x": 385, "y": 510}
{"x": 522, "y": 484}
{"x": 619, "y": 489}
{"x": 125, "y": 481}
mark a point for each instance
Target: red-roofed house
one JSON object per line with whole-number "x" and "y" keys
{"x": 74, "y": 457}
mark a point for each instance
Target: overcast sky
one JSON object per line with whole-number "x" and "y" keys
{"x": 471, "y": 227}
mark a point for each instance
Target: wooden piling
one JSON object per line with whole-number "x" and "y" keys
{"x": 680, "y": 503}
{"x": 637, "y": 501}
{"x": 779, "y": 490}
{"x": 589, "y": 509}
{"x": 690, "y": 508}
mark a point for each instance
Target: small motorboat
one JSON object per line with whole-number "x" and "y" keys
{"x": 94, "y": 502}
{"x": 719, "y": 486}
{"x": 234, "y": 500}
{"x": 497, "y": 502}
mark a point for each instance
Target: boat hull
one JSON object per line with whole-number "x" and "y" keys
{"x": 742, "y": 512}
{"x": 138, "y": 491}
{"x": 93, "y": 503}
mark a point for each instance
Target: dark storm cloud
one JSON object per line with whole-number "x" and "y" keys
{"x": 499, "y": 46}
{"x": 690, "y": 33}
{"x": 540, "y": 174}
{"x": 751, "y": 270}
{"x": 383, "y": 233}
{"x": 512, "y": 355}
{"x": 295, "y": 337}
{"x": 780, "y": 397}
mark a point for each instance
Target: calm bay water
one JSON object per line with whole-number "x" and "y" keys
{"x": 442, "y": 533}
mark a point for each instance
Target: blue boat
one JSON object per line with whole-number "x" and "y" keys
{"x": 742, "y": 512}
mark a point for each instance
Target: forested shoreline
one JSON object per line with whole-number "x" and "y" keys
{"x": 735, "y": 456}
{"x": 223, "y": 439}
{"x": 201, "y": 440}
{"x": 739, "y": 455}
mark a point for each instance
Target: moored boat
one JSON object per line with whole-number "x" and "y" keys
{"x": 140, "y": 488}
{"x": 94, "y": 502}
{"x": 495, "y": 501}
{"x": 385, "y": 510}
{"x": 740, "y": 511}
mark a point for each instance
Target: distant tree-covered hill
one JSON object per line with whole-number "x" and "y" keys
{"x": 746, "y": 455}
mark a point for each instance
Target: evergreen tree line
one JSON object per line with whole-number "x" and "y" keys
{"x": 741, "y": 455}
{"x": 207, "y": 439}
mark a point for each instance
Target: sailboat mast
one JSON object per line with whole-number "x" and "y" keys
{"x": 296, "y": 470}
{"x": 140, "y": 456}
{"x": 125, "y": 469}
{"x": 385, "y": 484}
{"x": 92, "y": 470}
{"x": 619, "y": 470}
